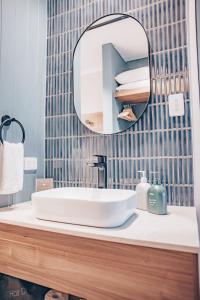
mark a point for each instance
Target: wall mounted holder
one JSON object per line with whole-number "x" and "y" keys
{"x": 6, "y": 121}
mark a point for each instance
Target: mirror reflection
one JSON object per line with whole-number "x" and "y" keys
{"x": 111, "y": 74}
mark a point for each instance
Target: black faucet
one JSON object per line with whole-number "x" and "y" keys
{"x": 101, "y": 164}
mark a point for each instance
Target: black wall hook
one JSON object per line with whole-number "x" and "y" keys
{"x": 6, "y": 121}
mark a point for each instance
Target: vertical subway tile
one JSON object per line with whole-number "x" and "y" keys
{"x": 157, "y": 142}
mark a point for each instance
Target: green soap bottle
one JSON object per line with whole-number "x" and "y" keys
{"x": 157, "y": 198}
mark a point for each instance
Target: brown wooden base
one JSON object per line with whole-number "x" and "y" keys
{"x": 95, "y": 269}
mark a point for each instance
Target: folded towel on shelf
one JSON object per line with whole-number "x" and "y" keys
{"x": 142, "y": 84}
{"x": 133, "y": 75}
{"x": 11, "y": 168}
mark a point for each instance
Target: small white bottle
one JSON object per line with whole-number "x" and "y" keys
{"x": 142, "y": 191}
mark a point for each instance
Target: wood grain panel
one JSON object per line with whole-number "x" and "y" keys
{"x": 96, "y": 269}
{"x": 133, "y": 96}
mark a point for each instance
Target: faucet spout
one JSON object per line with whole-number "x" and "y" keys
{"x": 101, "y": 164}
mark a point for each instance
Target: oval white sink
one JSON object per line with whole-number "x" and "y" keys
{"x": 85, "y": 206}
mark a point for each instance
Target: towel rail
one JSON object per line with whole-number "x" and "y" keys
{"x": 6, "y": 121}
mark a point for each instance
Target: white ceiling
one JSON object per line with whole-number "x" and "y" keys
{"x": 127, "y": 36}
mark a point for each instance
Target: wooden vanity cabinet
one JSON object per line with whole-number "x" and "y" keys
{"x": 95, "y": 269}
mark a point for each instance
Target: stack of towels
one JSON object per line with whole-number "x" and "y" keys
{"x": 133, "y": 79}
{"x": 11, "y": 168}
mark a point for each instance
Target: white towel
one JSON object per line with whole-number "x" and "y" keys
{"x": 11, "y": 168}
{"x": 143, "y": 84}
{"x": 133, "y": 75}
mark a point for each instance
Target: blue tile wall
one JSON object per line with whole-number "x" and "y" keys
{"x": 157, "y": 142}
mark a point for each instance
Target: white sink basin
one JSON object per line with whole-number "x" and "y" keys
{"x": 85, "y": 206}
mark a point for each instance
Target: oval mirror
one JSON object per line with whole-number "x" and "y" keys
{"x": 111, "y": 74}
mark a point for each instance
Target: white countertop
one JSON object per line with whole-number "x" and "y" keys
{"x": 176, "y": 231}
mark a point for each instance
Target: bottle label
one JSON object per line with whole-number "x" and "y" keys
{"x": 152, "y": 200}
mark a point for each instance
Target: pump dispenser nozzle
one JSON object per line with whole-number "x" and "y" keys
{"x": 142, "y": 189}
{"x": 156, "y": 177}
{"x": 143, "y": 177}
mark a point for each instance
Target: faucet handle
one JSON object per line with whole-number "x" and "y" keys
{"x": 101, "y": 158}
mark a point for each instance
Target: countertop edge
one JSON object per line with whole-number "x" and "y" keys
{"x": 8, "y": 217}
{"x": 126, "y": 241}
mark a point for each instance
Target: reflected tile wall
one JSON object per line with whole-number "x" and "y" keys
{"x": 157, "y": 142}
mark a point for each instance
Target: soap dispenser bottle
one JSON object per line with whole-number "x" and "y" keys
{"x": 157, "y": 197}
{"x": 142, "y": 191}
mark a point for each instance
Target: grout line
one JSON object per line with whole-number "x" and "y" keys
{"x": 83, "y": 27}
{"x": 55, "y": 159}
{"x": 168, "y": 130}
{"x": 181, "y": 185}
